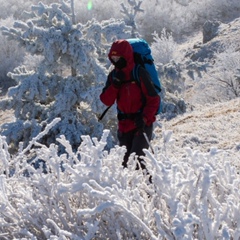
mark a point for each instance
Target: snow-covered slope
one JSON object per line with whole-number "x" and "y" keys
{"x": 211, "y": 66}
{"x": 208, "y": 127}
{"x": 208, "y": 123}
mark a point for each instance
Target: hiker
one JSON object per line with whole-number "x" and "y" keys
{"x": 136, "y": 104}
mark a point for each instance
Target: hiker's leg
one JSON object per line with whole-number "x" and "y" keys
{"x": 139, "y": 143}
{"x": 125, "y": 139}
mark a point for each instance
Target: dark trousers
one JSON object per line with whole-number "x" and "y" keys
{"x": 135, "y": 142}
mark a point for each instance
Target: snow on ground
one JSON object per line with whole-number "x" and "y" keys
{"x": 208, "y": 128}
{"x": 6, "y": 116}
{"x": 216, "y": 125}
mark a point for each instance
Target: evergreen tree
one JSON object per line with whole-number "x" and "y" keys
{"x": 54, "y": 89}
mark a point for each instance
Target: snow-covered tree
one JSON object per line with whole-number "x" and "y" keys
{"x": 10, "y": 57}
{"x": 51, "y": 91}
{"x": 130, "y": 12}
{"x": 163, "y": 47}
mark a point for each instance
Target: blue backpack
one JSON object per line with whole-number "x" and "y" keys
{"x": 143, "y": 57}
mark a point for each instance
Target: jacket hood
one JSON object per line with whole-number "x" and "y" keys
{"x": 123, "y": 49}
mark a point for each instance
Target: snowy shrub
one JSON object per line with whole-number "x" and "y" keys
{"x": 130, "y": 12}
{"x": 173, "y": 87}
{"x": 87, "y": 195}
{"x": 163, "y": 47}
{"x": 221, "y": 80}
{"x": 16, "y": 8}
{"x": 10, "y": 57}
{"x": 180, "y": 17}
{"x": 225, "y": 75}
{"x": 52, "y": 90}
{"x": 164, "y": 53}
{"x": 183, "y": 17}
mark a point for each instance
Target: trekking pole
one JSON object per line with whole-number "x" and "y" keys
{"x": 103, "y": 114}
{"x": 149, "y": 144}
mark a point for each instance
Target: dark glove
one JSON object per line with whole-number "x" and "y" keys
{"x": 118, "y": 79}
{"x": 140, "y": 122}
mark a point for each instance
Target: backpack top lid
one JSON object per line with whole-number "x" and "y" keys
{"x": 139, "y": 45}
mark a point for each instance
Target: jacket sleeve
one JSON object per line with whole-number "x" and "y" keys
{"x": 152, "y": 99}
{"x": 109, "y": 92}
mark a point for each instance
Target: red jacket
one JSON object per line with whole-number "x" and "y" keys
{"x": 131, "y": 97}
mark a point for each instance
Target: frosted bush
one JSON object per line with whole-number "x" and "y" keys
{"x": 10, "y": 57}
{"x": 52, "y": 90}
{"x": 183, "y": 17}
{"x": 86, "y": 194}
{"x": 163, "y": 47}
{"x": 227, "y": 68}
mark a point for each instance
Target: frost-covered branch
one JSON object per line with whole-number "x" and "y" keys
{"x": 130, "y": 12}
{"x": 87, "y": 193}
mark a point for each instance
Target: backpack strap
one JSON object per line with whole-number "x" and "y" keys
{"x": 121, "y": 115}
{"x": 135, "y": 74}
{"x": 105, "y": 111}
{"x": 135, "y": 78}
{"x": 103, "y": 114}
